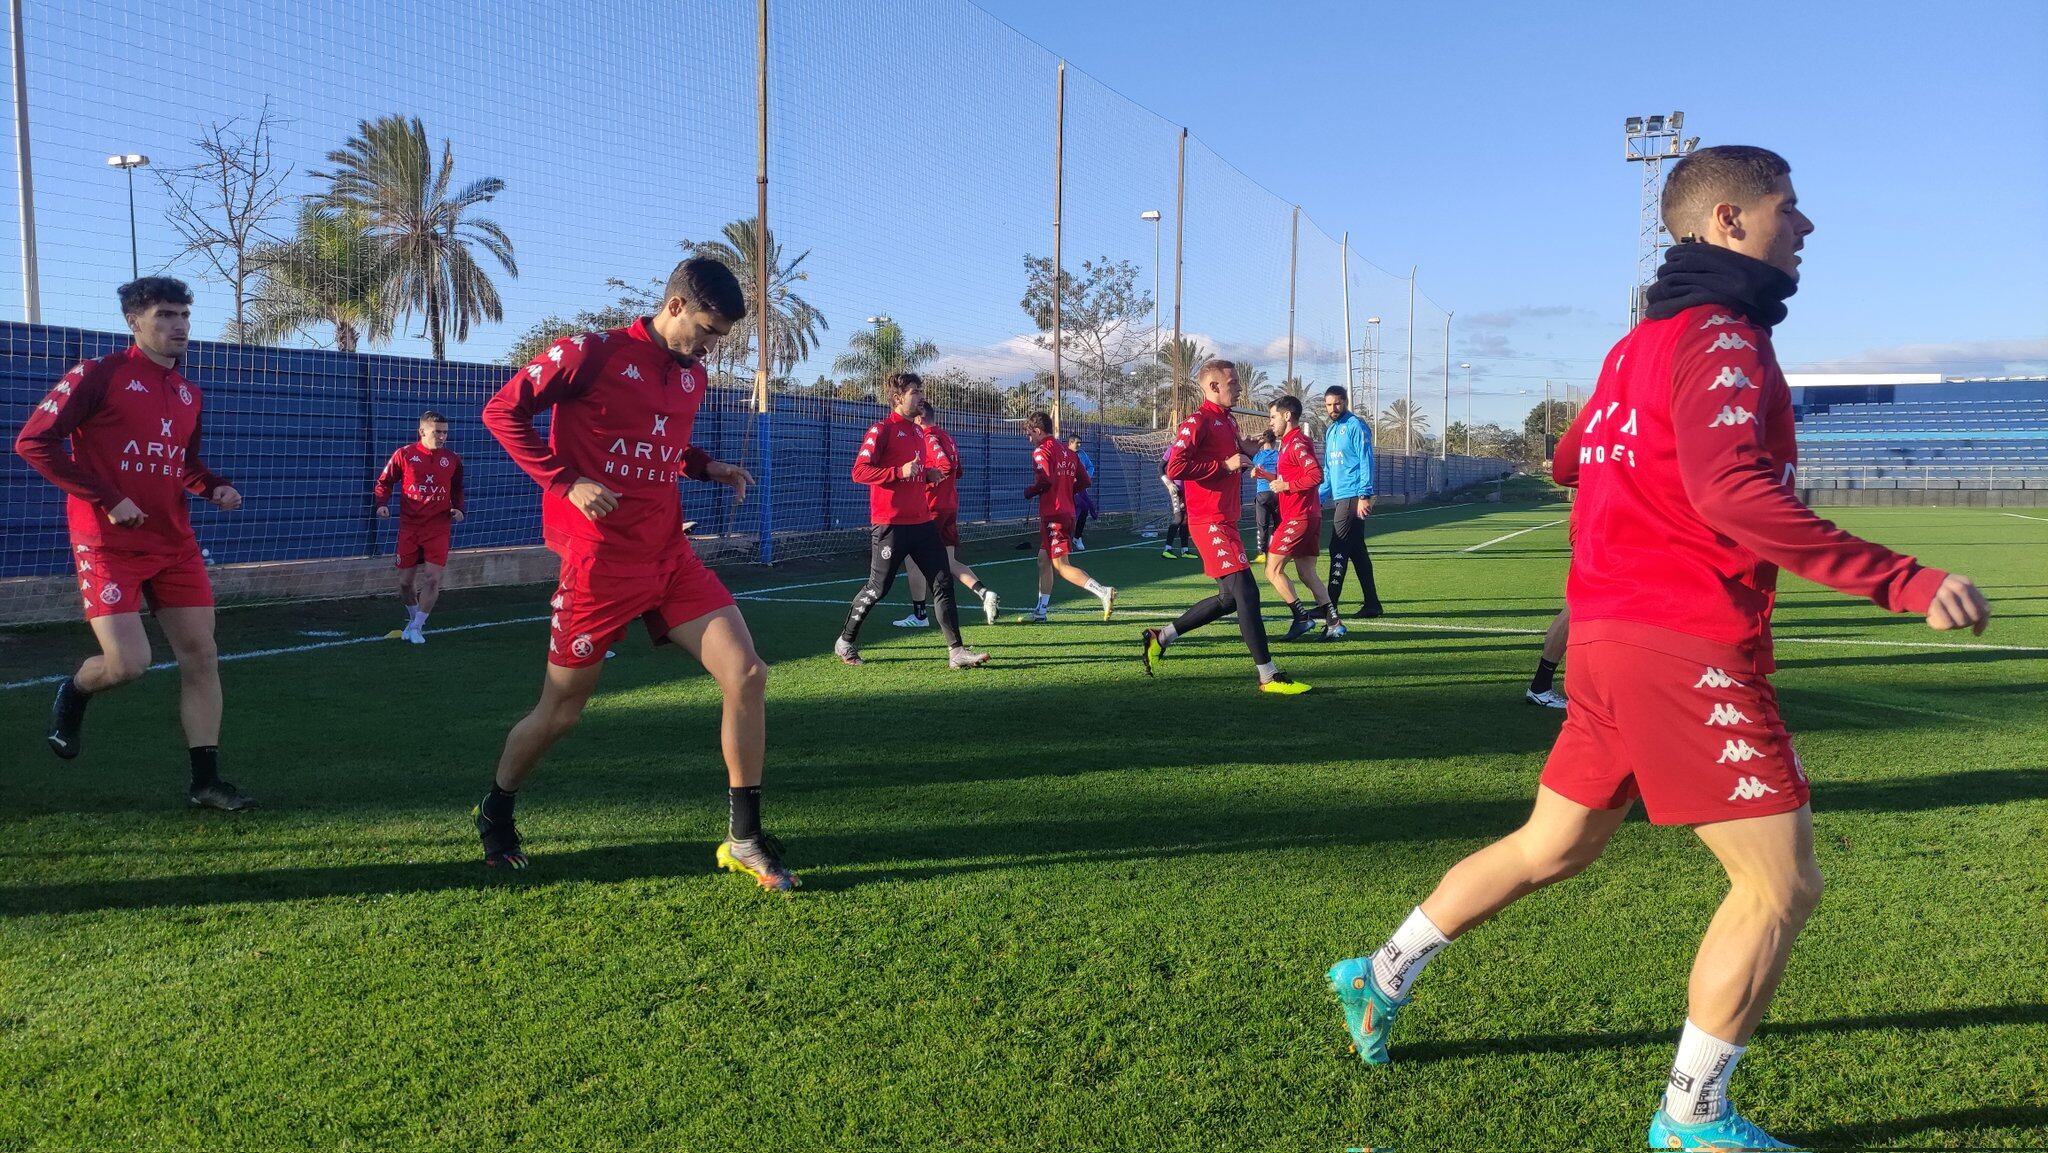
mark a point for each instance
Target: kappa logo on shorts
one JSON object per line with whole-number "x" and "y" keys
{"x": 557, "y": 602}
{"x": 1729, "y": 340}
{"x": 581, "y": 646}
{"x": 1750, "y": 789}
{"x": 110, "y": 594}
{"x": 1714, "y": 678}
{"x": 1727, "y": 714}
{"x": 1738, "y": 750}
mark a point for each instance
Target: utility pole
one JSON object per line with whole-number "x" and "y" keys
{"x": 1059, "y": 272}
{"x": 25, "y": 184}
{"x": 1444, "y": 440}
{"x": 1180, "y": 231}
{"x": 1293, "y": 253}
{"x": 1344, "y": 279}
{"x": 1408, "y": 424}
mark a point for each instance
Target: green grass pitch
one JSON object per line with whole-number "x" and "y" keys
{"x": 1050, "y": 904}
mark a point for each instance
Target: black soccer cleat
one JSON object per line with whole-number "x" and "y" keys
{"x": 219, "y": 795}
{"x": 1369, "y": 611}
{"x": 500, "y": 840}
{"x": 67, "y": 719}
{"x": 1298, "y": 628}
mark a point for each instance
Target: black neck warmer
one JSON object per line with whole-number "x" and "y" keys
{"x": 1695, "y": 273}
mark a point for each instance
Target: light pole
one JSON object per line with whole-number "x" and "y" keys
{"x": 1443, "y": 448}
{"x": 1372, "y": 369}
{"x": 1152, "y": 214}
{"x": 878, "y": 322}
{"x": 1467, "y": 366}
{"x": 130, "y": 162}
{"x": 1650, "y": 141}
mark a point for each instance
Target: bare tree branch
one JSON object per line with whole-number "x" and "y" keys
{"x": 221, "y": 203}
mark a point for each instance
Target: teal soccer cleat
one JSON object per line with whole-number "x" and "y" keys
{"x": 1368, "y": 1013}
{"x": 1731, "y": 1131}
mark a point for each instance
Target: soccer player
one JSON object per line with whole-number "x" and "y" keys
{"x": 1348, "y": 489}
{"x": 1056, "y": 477}
{"x": 1686, "y": 512}
{"x": 428, "y": 477}
{"x": 1265, "y": 504}
{"x": 943, "y": 456}
{"x": 1298, "y": 507}
{"x": 622, "y": 403}
{"x": 1177, "y": 545}
{"x": 1084, "y": 495}
{"x": 133, "y": 423}
{"x": 893, "y": 464}
{"x": 1210, "y": 458}
{"x": 1542, "y": 688}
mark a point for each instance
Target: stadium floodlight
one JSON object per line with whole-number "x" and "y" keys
{"x": 1149, "y": 214}
{"x": 1677, "y": 121}
{"x": 1691, "y": 142}
{"x": 1633, "y": 125}
{"x": 129, "y": 162}
{"x": 1654, "y": 124}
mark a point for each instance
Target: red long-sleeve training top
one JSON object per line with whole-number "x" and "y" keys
{"x": 1056, "y": 475}
{"x": 623, "y": 411}
{"x": 134, "y": 431}
{"x": 428, "y": 480}
{"x": 893, "y": 498}
{"x": 1685, "y": 513}
{"x": 942, "y": 454}
{"x": 1303, "y": 472}
{"x": 1204, "y": 441}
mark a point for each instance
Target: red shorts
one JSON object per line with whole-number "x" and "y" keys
{"x": 1697, "y": 743}
{"x": 1302, "y": 537}
{"x": 1056, "y": 536}
{"x": 948, "y": 520}
{"x": 424, "y": 541}
{"x": 1222, "y": 549}
{"x": 594, "y": 605}
{"x": 115, "y": 581}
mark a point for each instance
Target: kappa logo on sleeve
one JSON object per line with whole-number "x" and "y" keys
{"x": 49, "y": 406}
{"x": 533, "y": 370}
{"x": 555, "y": 353}
{"x": 631, "y": 372}
{"x": 1728, "y": 340}
{"x": 1717, "y": 320}
{"x": 1730, "y": 416}
{"x": 1731, "y": 378}
{"x": 138, "y": 386}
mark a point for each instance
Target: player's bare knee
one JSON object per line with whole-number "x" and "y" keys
{"x": 124, "y": 667}
{"x": 1804, "y": 895}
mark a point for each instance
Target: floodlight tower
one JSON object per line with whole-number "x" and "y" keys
{"x": 1650, "y": 141}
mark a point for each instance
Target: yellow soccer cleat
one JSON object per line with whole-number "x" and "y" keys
{"x": 760, "y": 858}
{"x": 1283, "y": 685}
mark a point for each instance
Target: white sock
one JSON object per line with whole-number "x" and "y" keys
{"x": 1399, "y": 962}
{"x": 419, "y": 621}
{"x": 1168, "y": 635}
{"x": 1097, "y": 587}
{"x": 1268, "y": 671}
{"x": 1698, "y": 1090}
{"x": 1044, "y": 601}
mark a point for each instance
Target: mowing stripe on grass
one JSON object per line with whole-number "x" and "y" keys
{"x": 2024, "y": 516}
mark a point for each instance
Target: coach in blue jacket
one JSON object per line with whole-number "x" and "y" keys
{"x": 1347, "y": 485}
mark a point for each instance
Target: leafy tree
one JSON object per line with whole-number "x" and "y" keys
{"x": 1561, "y": 414}
{"x": 388, "y": 174}
{"x": 1105, "y": 321}
{"x": 332, "y": 271}
{"x": 962, "y": 391}
{"x": 633, "y": 303}
{"x": 1028, "y": 396}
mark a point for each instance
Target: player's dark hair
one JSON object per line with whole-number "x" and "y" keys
{"x": 1338, "y": 391}
{"x": 1723, "y": 174}
{"x": 1042, "y": 421}
{"x": 902, "y": 382}
{"x": 708, "y": 284}
{"x": 1073, "y": 438}
{"x": 432, "y": 417}
{"x": 1288, "y": 405}
{"x": 139, "y": 296}
{"x": 928, "y": 411}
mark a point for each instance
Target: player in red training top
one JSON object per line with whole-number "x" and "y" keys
{"x": 1685, "y": 513}
{"x": 133, "y": 423}
{"x": 892, "y": 463}
{"x": 1056, "y": 475}
{"x": 623, "y": 403}
{"x": 1298, "y": 534}
{"x": 1211, "y": 459}
{"x": 428, "y": 477}
{"x": 942, "y": 456}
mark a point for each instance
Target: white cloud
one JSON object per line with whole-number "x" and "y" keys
{"x": 2025, "y": 356}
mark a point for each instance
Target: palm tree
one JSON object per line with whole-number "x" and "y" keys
{"x": 1253, "y": 378}
{"x": 793, "y": 325}
{"x": 387, "y": 172}
{"x": 874, "y": 354}
{"x": 331, "y": 272}
{"x": 1404, "y": 421}
{"x": 1191, "y": 355}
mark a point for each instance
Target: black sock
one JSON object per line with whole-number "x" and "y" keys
{"x": 917, "y": 609}
{"x": 79, "y": 692}
{"x": 745, "y": 822}
{"x": 1545, "y": 671}
{"x": 498, "y": 804}
{"x": 205, "y": 765}
{"x": 1295, "y": 608}
{"x": 1325, "y": 612}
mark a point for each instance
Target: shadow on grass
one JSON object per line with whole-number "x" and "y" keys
{"x": 2030, "y": 1120}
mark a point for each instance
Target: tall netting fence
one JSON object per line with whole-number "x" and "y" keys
{"x": 384, "y": 210}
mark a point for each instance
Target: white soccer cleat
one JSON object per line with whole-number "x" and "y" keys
{"x": 990, "y": 606}
{"x": 1080, "y": 545}
{"x": 1548, "y": 698}
{"x": 413, "y": 635}
{"x": 913, "y": 621}
{"x": 965, "y": 658}
{"x": 1108, "y": 599}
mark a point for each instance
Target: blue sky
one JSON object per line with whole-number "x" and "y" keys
{"x": 912, "y": 149}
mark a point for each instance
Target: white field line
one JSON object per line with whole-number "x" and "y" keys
{"x": 1513, "y": 535}
{"x": 2024, "y": 516}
